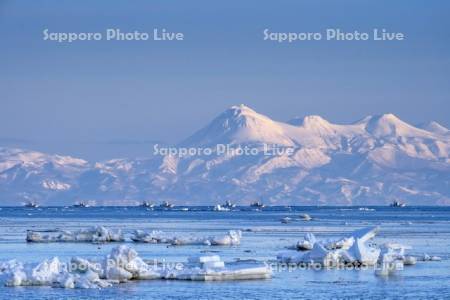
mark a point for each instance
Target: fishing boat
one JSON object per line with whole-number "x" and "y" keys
{"x": 81, "y": 204}
{"x": 218, "y": 207}
{"x": 31, "y": 204}
{"x": 147, "y": 204}
{"x": 229, "y": 205}
{"x": 166, "y": 204}
{"x": 257, "y": 204}
{"x": 397, "y": 204}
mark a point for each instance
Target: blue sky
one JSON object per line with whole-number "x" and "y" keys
{"x": 88, "y": 97}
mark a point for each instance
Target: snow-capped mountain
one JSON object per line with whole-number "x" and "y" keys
{"x": 373, "y": 161}
{"x": 32, "y": 176}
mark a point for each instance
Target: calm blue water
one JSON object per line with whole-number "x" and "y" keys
{"x": 426, "y": 229}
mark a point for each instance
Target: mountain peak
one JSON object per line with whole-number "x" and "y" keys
{"x": 241, "y": 116}
{"x": 311, "y": 121}
{"x": 239, "y": 124}
{"x": 241, "y": 108}
{"x": 390, "y": 125}
{"x": 240, "y": 112}
{"x": 388, "y": 117}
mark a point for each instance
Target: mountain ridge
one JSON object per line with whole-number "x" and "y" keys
{"x": 373, "y": 161}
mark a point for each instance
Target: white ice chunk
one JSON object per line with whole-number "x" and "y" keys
{"x": 190, "y": 240}
{"x": 305, "y": 217}
{"x": 227, "y": 273}
{"x": 360, "y": 253}
{"x": 392, "y": 259}
{"x": 65, "y": 280}
{"x": 207, "y": 268}
{"x": 44, "y": 273}
{"x": 204, "y": 258}
{"x": 409, "y": 260}
{"x": 213, "y": 264}
{"x": 320, "y": 255}
{"x": 97, "y": 234}
{"x": 350, "y": 249}
{"x": 427, "y": 257}
{"x": 119, "y": 274}
{"x": 81, "y": 265}
{"x": 307, "y": 243}
{"x": 233, "y": 237}
{"x": 393, "y": 251}
{"x": 121, "y": 265}
{"x": 286, "y": 220}
{"x": 342, "y": 243}
{"x": 366, "y": 234}
{"x": 154, "y": 236}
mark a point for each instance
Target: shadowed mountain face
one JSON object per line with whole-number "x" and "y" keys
{"x": 305, "y": 161}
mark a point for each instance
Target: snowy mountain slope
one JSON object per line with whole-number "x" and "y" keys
{"x": 29, "y": 175}
{"x": 373, "y": 161}
{"x": 434, "y": 127}
{"x": 237, "y": 125}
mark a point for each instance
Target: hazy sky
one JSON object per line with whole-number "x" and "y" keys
{"x": 86, "y": 98}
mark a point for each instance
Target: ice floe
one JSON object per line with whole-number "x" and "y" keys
{"x": 212, "y": 268}
{"x": 97, "y": 234}
{"x": 427, "y": 257}
{"x": 356, "y": 249}
{"x": 100, "y": 234}
{"x": 409, "y": 260}
{"x": 50, "y": 272}
{"x": 233, "y": 237}
{"x": 154, "y": 236}
{"x": 307, "y": 243}
{"x": 305, "y": 217}
{"x": 286, "y": 220}
{"x": 391, "y": 259}
{"x": 121, "y": 265}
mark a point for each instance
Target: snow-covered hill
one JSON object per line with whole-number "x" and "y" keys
{"x": 373, "y": 161}
{"x": 29, "y": 175}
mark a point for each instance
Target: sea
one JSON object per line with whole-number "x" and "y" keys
{"x": 425, "y": 229}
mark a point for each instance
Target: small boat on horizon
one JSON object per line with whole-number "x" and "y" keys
{"x": 166, "y": 204}
{"x": 257, "y": 204}
{"x": 397, "y": 204}
{"x": 81, "y": 204}
{"x": 218, "y": 207}
{"x": 147, "y": 204}
{"x": 31, "y": 204}
{"x": 228, "y": 204}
